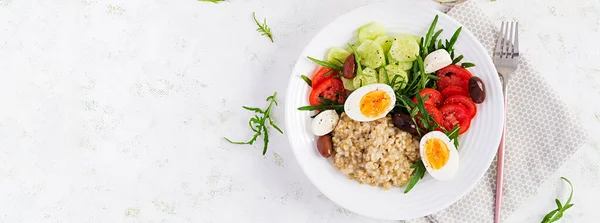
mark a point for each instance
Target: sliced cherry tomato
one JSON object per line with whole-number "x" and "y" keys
{"x": 332, "y": 89}
{"x": 464, "y": 101}
{"x": 453, "y": 75}
{"x": 455, "y": 114}
{"x": 454, "y": 90}
{"x": 434, "y": 98}
{"x": 433, "y": 112}
{"x": 321, "y": 75}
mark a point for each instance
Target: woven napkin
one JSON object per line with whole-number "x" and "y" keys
{"x": 541, "y": 135}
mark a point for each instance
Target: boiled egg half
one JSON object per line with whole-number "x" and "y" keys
{"x": 325, "y": 122}
{"x": 370, "y": 102}
{"x": 439, "y": 155}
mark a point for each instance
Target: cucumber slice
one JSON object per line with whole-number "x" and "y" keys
{"x": 385, "y": 42}
{"x": 405, "y": 48}
{"x": 405, "y": 65}
{"x": 348, "y": 84}
{"x": 418, "y": 39}
{"x": 353, "y": 44}
{"x": 391, "y": 60}
{"x": 392, "y": 71}
{"x": 368, "y": 76}
{"x": 337, "y": 56}
{"x": 371, "y": 54}
{"x": 370, "y": 31}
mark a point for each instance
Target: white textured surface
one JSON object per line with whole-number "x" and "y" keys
{"x": 113, "y": 111}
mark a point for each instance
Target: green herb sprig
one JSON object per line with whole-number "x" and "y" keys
{"x": 419, "y": 174}
{"x": 325, "y": 64}
{"x": 326, "y": 104}
{"x": 307, "y": 80}
{"x": 213, "y": 1}
{"x": 428, "y": 44}
{"x": 262, "y": 28}
{"x": 557, "y": 213}
{"x": 467, "y": 64}
{"x": 258, "y": 124}
{"x": 357, "y": 59}
{"x": 395, "y": 83}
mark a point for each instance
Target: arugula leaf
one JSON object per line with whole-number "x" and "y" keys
{"x": 262, "y": 28}
{"x": 258, "y": 124}
{"x": 557, "y": 213}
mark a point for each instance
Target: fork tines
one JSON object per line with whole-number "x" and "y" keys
{"x": 507, "y": 45}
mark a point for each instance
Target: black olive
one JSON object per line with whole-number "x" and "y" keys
{"x": 349, "y": 70}
{"x": 477, "y": 89}
{"x": 404, "y": 123}
{"x": 325, "y": 145}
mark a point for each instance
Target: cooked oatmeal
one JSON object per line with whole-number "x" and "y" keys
{"x": 376, "y": 152}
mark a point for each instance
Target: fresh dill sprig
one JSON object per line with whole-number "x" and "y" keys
{"x": 263, "y": 28}
{"x": 259, "y": 124}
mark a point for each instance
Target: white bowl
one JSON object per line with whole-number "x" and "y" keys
{"x": 477, "y": 147}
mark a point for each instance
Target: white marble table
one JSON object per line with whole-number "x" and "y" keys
{"x": 114, "y": 111}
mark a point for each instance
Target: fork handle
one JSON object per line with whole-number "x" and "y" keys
{"x": 500, "y": 162}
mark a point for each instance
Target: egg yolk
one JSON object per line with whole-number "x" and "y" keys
{"x": 437, "y": 153}
{"x": 374, "y": 103}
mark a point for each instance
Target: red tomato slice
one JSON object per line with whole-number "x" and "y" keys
{"x": 454, "y": 90}
{"x": 455, "y": 114}
{"x": 453, "y": 75}
{"x": 321, "y": 75}
{"x": 433, "y": 112}
{"x": 435, "y": 98}
{"x": 332, "y": 89}
{"x": 464, "y": 101}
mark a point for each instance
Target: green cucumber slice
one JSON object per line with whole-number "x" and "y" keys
{"x": 393, "y": 70}
{"x": 368, "y": 76}
{"x": 385, "y": 42}
{"x": 418, "y": 39}
{"x": 405, "y": 48}
{"x": 390, "y": 60}
{"x": 405, "y": 65}
{"x": 348, "y": 84}
{"x": 370, "y": 31}
{"x": 371, "y": 54}
{"x": 337, "y": 56}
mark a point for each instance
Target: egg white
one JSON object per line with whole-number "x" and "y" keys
{"x": 325, "y": 122}
{"x": 352, "y": 105}
{"x": 449, "y": 170}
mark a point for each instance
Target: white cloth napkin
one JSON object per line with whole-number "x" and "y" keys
{"x": 541, "y": 135}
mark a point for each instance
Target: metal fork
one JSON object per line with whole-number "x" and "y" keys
{"x": 506, "y": 59}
